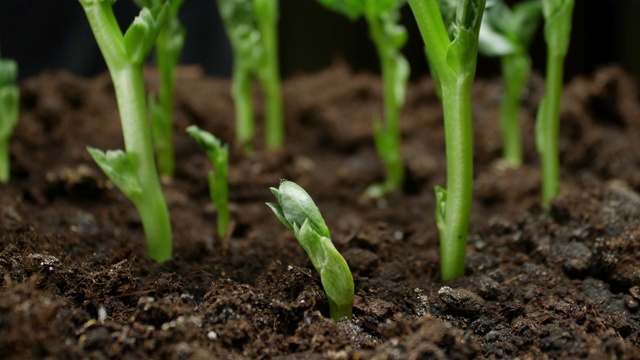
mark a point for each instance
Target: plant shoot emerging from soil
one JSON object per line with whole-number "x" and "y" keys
{"x": 218, "y": 177}
{"x": 169, "y": 45}
{"x": 389, "y": 37}
{"x": 252, "y": 29}
{"x": 133, "y": 171}
{"x": 506, "y": 33}
{"x": 9, "y": 110}
{"x": 557, "y": 34}
{"x": 453, "y": 66}
{"x": 297, "y": 211}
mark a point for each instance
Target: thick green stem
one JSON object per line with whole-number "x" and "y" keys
{"x": 456, "y": 101}
{"x": 549, "y": 129}
{"x": 4, "y": 160}
{"x": 270, "y": 77}
{"x": 130, "y": 94}
{"x": 515, "y": 70}
{"x": 243, "y": 99}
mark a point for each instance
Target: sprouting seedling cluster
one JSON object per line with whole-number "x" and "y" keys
{"x": 218, "y": 183}
{"x": 9, "y": 111}
{"x": 169, "y": 44}
{"x": 297, "y": 211}
{"x": 389, "y": 37}
{"x": 506, "y": 33}
{"x": 133, "y": 171}
{"x": 252, "y": 29}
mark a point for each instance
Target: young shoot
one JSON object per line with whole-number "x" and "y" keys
{"x": 252, "y": 29}
{"x": 218, "y": 183}
{"x": 169, "y": 45}
{"x": 133, "y": 171}
{"x": 389, "y": 37}
{"x": 557, "y": 34}
{"x": 506, "y": 33}
{"x": 297, "y": 211}
{"x": 452, "y": 59}
{"x": 9, "y": 109}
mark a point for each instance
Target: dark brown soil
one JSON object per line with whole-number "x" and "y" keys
{"x": 77, "y": 283}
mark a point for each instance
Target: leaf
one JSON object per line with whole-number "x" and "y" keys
{"x": 524, "y": 20}
{"x": 557, "y": 28}
{"x": 297, "y": 207}
{"x": 441, "y": 208}
{"x": 141, "y": 34}
{"x": 493, "y": 43}
{"x": 352, "y": 9}
{"x": 119, "y": 167}
{"x": 280, "y": 215}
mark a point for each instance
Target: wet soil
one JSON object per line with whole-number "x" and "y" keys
{"x": 76, "y": 282}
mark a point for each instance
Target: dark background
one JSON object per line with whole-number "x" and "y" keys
{"x": 53, "y": 34}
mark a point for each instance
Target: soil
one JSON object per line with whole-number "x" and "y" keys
{"x": 558, "y": 284}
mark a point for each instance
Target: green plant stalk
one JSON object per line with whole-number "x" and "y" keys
{"x": 218, "y": 185}
{"x": 267, "y": 15}
{"x": 163, "y": 136}
{"x": 243, "y": 99}
{"x": 130, "y": 94}
{"x": 454, "y": 66}
{"x": 9, "y": 113}
{"x": 387, "y": 131}
{"x": 5, "y": 168}
{"x": 557, "y": 32}
{"x": 515, "y": 69}
{"x": 548, "y": 129}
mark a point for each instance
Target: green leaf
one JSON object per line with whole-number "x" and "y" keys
{"x": 120, "y": 168}
{"x": 441, "y": 208}
{"x": 557, "y": 28}
{"x": 141, "y": 35}
{"x": 352, "y": 9}
{"x": 297, "y": 207}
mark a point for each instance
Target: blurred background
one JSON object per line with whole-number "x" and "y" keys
{"x": 54, "y": 34}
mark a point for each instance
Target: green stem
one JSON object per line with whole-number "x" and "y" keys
{"x": 164, "y": 140}
{"x": 549, "y": 129}
{"x": 270, "y": 77}
{"x": 4, "y": 160}
{"x": 515, "y": 70}
{"x": 389, "y": 126}
{"x": 456, "y": 101}
{"x": 222, "y": 202}
{"x": 243, "y": 98}
{"x": 130, "y": 94}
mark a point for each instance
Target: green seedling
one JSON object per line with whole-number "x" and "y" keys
{"x": 506, "y": 33}
{"x": 557, "y": 34}
{"x": 133, "y": 171}
{"x": 9, "y": 110}
{"x": 169, "y": 45}
{"x": 218, "y": 183}
{"x": 252, "y": 29}
{"x": 452, "y": 59}
{"x": 389, "y": 37}
{"x": 297, "y": 211}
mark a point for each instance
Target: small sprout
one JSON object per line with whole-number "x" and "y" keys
{"x": 557, "y": 34}
{"x": 506, "y": 33}
{"x": 297, "y": 211}
{"x": 218, "y": 177}
{"x": 9, "y": 109}
{"x": 389, "y": 37}
{"x": 251, "y": 26}
{"x": 169, "y": 44}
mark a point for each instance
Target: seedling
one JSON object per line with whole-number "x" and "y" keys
{"x": 218, "y": 183}
{"x": 389, "y": 37}
{"x": 506, "y": 33}
{"x": 297, "y": 211}
{"x": 9, "y": 109}
{"x": 557, "y": 33}
{"x": 453, "y": 64}
{"x": 133, "y": 171}
{"x": 169, "y": 45}
{"x": 252, "y": 29}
